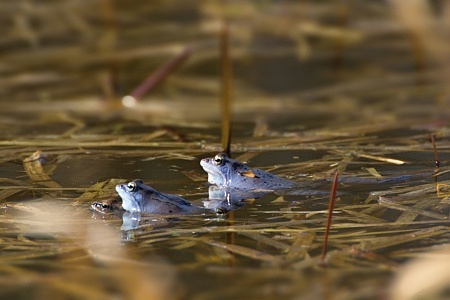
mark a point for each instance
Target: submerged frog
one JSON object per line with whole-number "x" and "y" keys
{"x": 224, "y": 171}
{"x": 139, "y": 197}
{"x": 111, "y": 206}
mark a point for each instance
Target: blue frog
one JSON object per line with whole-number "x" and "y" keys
{"x": 227, "y": 172}
{"x": 139, "y": 197}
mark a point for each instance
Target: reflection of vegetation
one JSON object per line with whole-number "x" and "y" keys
{"x": 318, "y": 88}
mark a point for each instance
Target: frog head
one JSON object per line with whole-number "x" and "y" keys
{"x": 224, "y": 171}
{"x": 134, "y": 194}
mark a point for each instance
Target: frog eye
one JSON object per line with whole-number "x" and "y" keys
{"x": 218, "y": 159}
{"x": 131, "y": 186}
{"x": 104, "y": 205}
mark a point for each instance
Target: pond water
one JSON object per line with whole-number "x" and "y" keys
{"x": 53, "y": 243}
{"x": 317, "y": 89}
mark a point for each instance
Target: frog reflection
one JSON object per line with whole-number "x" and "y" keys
{"x": 140, "y": 221}
{"x": 227, "y": 172}
{"x": 110, "y": 210}
{"x": 225, "y": 199}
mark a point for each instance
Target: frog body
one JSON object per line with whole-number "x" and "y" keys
{"x": 139, "y": 197}
{"x": 227, "y": 172}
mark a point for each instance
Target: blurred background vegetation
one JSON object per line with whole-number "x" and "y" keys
{"x": 319, "y": 86}
{"x": 368, "y": 58}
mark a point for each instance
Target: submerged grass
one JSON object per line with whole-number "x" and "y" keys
{"x": 376, "y": 224}
{"x": 268, "y": 238}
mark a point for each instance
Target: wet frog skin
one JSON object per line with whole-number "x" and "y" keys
{"x": 139, "y": 197}
{"x": 227, "y": 172}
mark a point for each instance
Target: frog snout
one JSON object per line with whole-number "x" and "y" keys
{"x": 119, "y": 188}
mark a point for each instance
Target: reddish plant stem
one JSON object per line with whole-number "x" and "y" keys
{"x": 330, "y": 215}
{"x": 160, "y": 74}
{"x": 437, "y": 163}
{"x": 436, "y": 158}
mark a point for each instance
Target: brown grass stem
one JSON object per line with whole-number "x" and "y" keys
{"x": 226, "y": 92}
{"x": 110, "y": 81}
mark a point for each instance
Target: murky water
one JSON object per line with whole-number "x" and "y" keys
{"x": 270, "y": 247}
